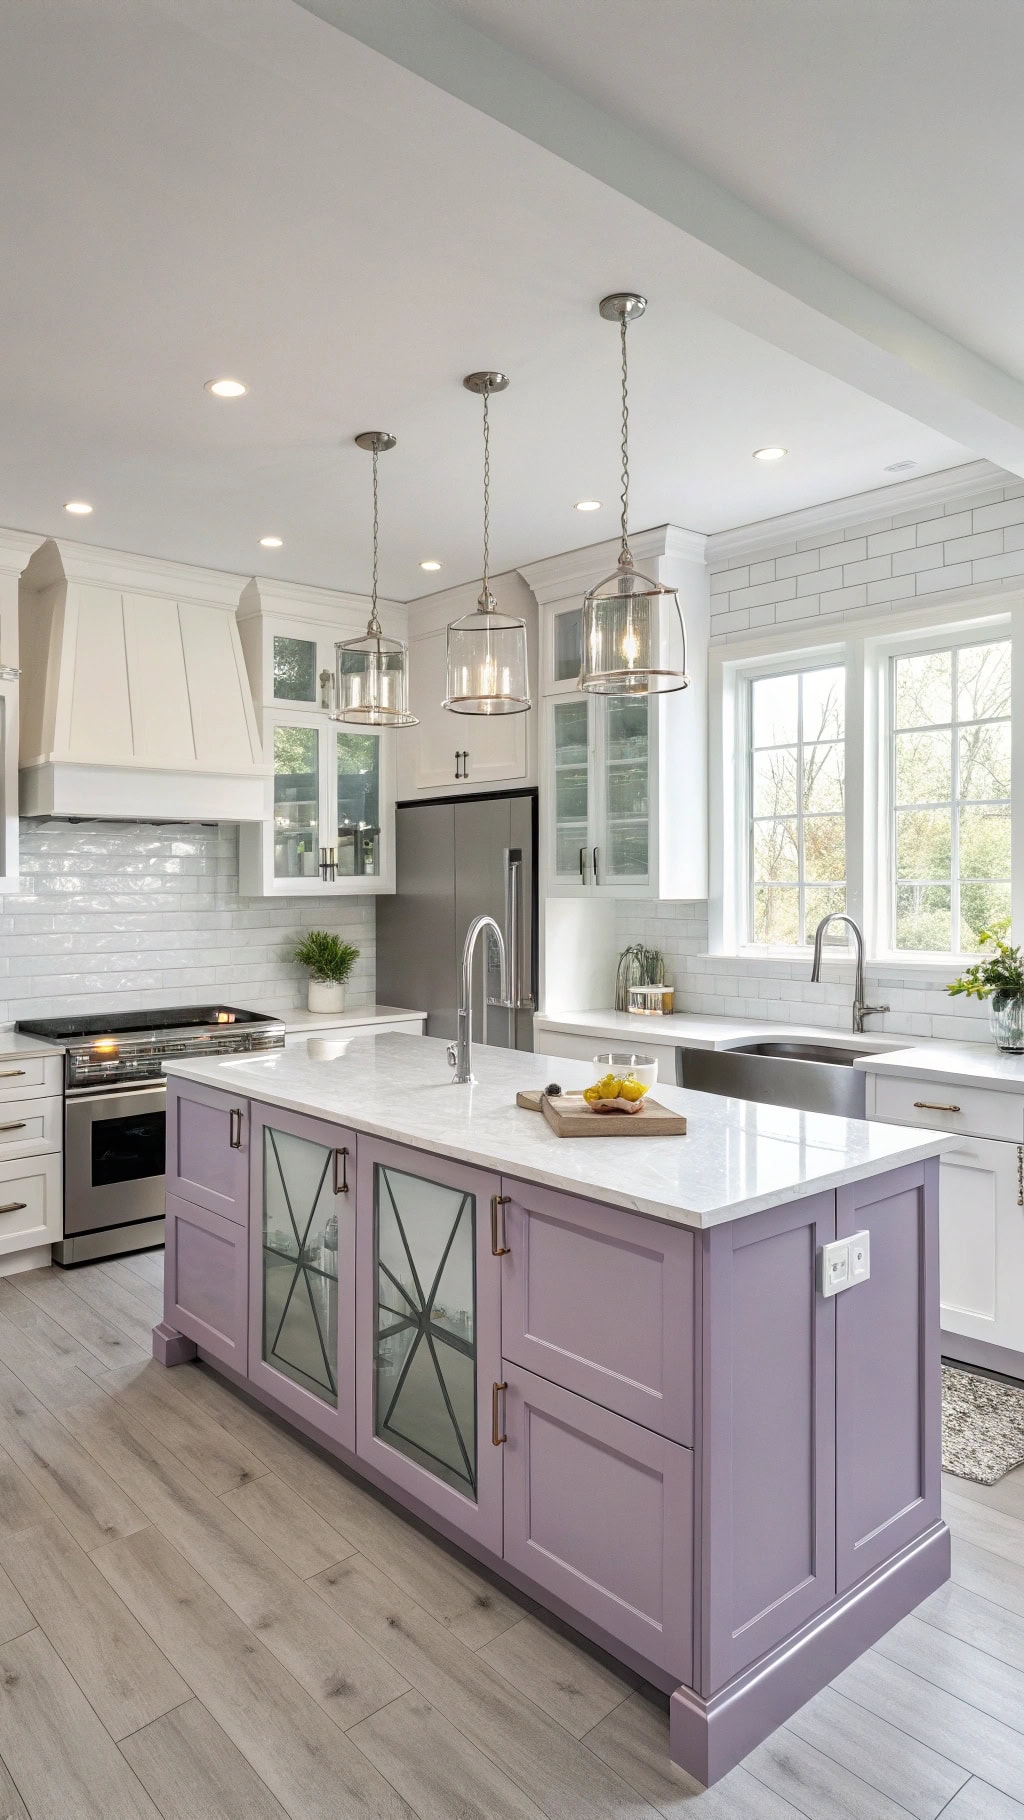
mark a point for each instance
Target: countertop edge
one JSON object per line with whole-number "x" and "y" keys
{"x": 917, "y": 1149}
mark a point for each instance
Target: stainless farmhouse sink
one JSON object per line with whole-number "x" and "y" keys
{"x": 815, "y": 1077}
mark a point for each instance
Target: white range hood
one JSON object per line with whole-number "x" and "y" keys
{"x": 135, "y": 701}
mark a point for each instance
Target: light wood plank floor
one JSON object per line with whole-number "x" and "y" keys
{"x": 201, "y": 1619}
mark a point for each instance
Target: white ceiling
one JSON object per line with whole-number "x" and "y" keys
{"x": 198, "y": 187}
{"x": 886, "y": 133}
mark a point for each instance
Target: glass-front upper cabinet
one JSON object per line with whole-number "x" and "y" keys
{"x": 429, "y": 1401}
{"x": 302, "y": 1322}
{"x": 599, "y": 794}
{"x": 329, "y": 823}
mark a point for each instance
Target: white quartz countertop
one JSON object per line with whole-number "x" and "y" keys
{"x": 309, "y": 1023}
{"x": 981, "y": 1063}
{"x": 736, "y": 1159}
{"x": 688, "y": 1029}
{"x": 15, "y": 1042}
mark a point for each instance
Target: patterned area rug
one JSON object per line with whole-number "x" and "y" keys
{"x": 982, "y": 1426}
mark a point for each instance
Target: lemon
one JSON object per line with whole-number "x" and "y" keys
{"x": 631, "y": 1089}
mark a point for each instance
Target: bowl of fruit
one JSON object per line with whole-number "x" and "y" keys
{"x": 616, "y": 1093}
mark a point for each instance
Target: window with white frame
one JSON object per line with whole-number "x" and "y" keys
{"x": 949, "y": 789}
{"x": 796, "y": 798}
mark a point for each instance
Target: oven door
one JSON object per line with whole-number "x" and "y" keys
{"x": 114, "y": 1157}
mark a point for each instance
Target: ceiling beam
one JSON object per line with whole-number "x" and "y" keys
{"x": 740, "y": 264}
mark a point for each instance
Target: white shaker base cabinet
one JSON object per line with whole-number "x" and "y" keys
{"x": 981, "y": 1244}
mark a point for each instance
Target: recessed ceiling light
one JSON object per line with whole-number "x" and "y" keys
{"x": 226, "y": 388}
{"x": 772, "y": 454}
{"x": 588, "y": 505}
{"x": 271, "y": 543}
{"x": 80, "y": 507}
{"x": 431, "y": 566}
{"x": 899, "y": 467}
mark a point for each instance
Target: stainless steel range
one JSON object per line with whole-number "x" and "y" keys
{"x": 114, "y": 1114}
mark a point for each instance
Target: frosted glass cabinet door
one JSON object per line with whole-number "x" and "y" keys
{"x": 302, "y": 1267}
{"x": 429, "y": 1333}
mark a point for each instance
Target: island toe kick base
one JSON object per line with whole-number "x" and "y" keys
{"x": 679, "y": 1439}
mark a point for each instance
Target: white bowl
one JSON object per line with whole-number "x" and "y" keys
{"x": 643, "y": 1068}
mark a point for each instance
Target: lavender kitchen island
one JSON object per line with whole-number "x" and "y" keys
{"x": 606, "y": 1368}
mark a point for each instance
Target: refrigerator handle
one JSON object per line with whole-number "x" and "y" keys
{"x": 513, "y": 940}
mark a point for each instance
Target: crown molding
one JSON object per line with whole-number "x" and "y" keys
{"x": 58, "y": 558}
{"x": 557, "y": 577}
{"x": 835, "y": 515}
{"x": 301, "y": 600}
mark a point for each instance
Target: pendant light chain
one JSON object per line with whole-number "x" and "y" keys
{"x": 624, "y": 555}
{"x": 487, "y": 600}
{"x": 374, "y": 625}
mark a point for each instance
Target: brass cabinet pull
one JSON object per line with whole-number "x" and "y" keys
{"x": 1020, "y": 1175}
{"x": 502, "y": 1250}
{"x": 497, "y": 1440}
{"x": 342, "y": 1186}
{"x": 933, "y": 1106}
{"x": 235, "y": 1128}
{"x": 9, "y": 1074}
{"x": 14, "y": 1207}
{"x": 16, "y": 1125}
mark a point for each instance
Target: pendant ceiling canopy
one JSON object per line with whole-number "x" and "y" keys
{"x": 487, "y": 662}
{"x": 634, "y": 638}
{"x": 373, "y": 672}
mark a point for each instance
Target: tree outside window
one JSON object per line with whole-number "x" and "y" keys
{"x": 950, "y": 769}
{"x": 797, "y": 801}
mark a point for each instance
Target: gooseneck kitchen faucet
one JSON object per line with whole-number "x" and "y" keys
{"x": 460, "y": 1054}
{"x": 860, "y": 1010}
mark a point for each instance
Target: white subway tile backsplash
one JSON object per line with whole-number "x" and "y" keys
{"x": 1007, "y": 511}
{"x": 800, "y": 564}
{"x": 152, "y": 916}
{"x": 884, "y": 543}
{"x": 951, "y": 524}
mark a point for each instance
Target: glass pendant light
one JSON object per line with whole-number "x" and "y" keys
{"x": 634, "y": 639}
{"x": 372, "y": 673}
{"x": 487, "y": 650}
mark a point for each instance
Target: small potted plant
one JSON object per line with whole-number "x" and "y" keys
{"x": 329, "y": 961}
{"x": 999, "y": 976}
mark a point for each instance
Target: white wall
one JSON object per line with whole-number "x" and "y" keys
{"x": 132, "y": 915}
{"x": 957, "y": 536}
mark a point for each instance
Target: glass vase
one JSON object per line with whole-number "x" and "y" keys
{"x": 1006, "y": 1018}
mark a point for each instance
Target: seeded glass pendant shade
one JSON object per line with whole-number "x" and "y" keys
{"x": 487, "y": 671}
{"x": 634, "y": 638}
{"x": 373, "y": 672}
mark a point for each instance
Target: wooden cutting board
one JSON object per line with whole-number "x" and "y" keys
{"x": 570, "y": 1116}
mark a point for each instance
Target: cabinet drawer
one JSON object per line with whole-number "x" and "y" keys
{"x": 956, "y": 1107}
{"x": 31, "y": 1208}
{"x": 599, "y": 1512}
{"x": 634, "y": 1042}
{"x": 24, "y": 1076}
{"x": 601, "y": 1302}
{"x": 206, "y": 1280}
{"x": 29, "y": 1128}
{"x": 208, "y": 1149}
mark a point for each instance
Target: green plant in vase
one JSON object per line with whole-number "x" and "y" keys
{"x": 329, "y": 961}
{"x": 998, "y": 976}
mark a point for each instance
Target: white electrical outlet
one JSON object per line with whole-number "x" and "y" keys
{"x": 844, "y": 1263}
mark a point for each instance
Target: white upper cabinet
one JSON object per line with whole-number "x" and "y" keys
{"x": 328, "y": 824}
{"x": 455, "y": 754}
{"x": 623, "y": 783}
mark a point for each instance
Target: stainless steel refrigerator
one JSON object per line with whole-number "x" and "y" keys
{"x": 456, "y": 859}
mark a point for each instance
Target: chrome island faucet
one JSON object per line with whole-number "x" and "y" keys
{"x": 460, "y": 1054}
{"x": 860, "y": 1010}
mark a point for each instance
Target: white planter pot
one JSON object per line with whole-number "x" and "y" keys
{"x": 323, "y": 996}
